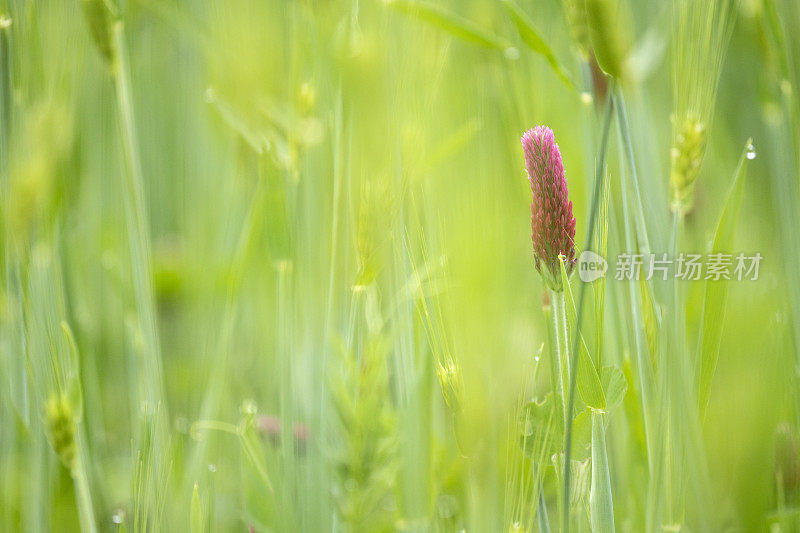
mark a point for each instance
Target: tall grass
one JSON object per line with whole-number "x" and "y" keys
{"x": 267, "y": 266}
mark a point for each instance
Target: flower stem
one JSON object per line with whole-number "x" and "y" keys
{"x": 573, "y": 356}
{"x": 561, "y": 344}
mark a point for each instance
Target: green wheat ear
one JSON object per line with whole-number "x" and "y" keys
{"x": 686, "y": 156}
{"x": 60, "y": 426}
{"x": 701, "y": 32}
{"x": 374, "y": 225}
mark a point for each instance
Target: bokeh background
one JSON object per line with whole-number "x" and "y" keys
{"x": 328, "y": 183}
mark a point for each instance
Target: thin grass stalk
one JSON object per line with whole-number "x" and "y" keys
{"x": 601, "y": 504}
{"x": 624, "y": 132}
{"x": 137, "y": 225}
{"x": 682, "y": 434}
{"x": 35, "y": 453}
{"x": 785, "y": 195}
{"x": 684, "y": 397}
{"x": 643, "y": 362}
{"x": 284, "y": 353}
{"x": 17, "y": 375}
{"x": 83, "y": 494}
{"x": 222, "y": 350}
{"x": 541, "y": 511}
{"x": 555, "y": 363}
{"x": 675, "y": 386}
{"x": 335, "y": 201}
{"x": 785, "y": 155}
{"x": 598, "y": 187}
{"x": 561, "y": 344}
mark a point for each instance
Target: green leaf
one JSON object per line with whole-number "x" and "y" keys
{"x": 196, "y": 512}
{"x": 614, "y": 386}
{"x": 580, "y": 474}
{"x": 601, "y": 504}
{"x": 608, "y": 35}
{"x": 74, "y": 390}
{"x": 716, "y": 292}
{"x": 451, "y": 23}
{"x": 542, "y": 420}
{"x": 581, "y": 434}
{"x": 651, "y": 318}
{"x": 530, "y": 36}
{"x": 588, "y": 380}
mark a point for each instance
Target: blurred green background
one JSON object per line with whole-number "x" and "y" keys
{"x": 330, "y": 185}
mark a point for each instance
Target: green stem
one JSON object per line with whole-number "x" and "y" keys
{"x": 561, "y": 343}
{"x": 541, "y": 512}
{"x": 573, "y": 356}
{"x": 216, "y": 383}
{"x": 624, "y": 131}
{"x": 555, "y": 364}
{"x": 285, "y": 354}
{"x": 674, "y": 385}
{"x": 643, "y": 362}
{"x": 84, "y": 496}
{"x": 137, "y": 225}
{"x": 601, "y": 503}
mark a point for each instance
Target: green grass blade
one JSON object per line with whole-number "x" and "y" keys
{"x": 601, "y": 505}
{"x": 530, "y": 36}
{"x": 614, "y": 386}
{"x": 589, "y": 385}
{"x": 598, "y": 184}
{"x": 196, "y": 512}
{"x": 451, "y": 23}
{"x": 716, "y": 291}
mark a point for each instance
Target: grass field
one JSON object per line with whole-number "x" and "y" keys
{"x": 267, "y": 265}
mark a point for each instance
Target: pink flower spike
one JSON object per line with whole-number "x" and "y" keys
{"x": 552, "y": 223}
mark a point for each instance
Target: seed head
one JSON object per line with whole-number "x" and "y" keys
{"x": 552, "y": 223}
{"x": 686, "y": 157}
{"x": 60, "y": 425}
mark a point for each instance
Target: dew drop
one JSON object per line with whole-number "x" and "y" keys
{"x": 751, "y": 151}
{"x": 212, "y": 467}
{"x": 118, "y": 516}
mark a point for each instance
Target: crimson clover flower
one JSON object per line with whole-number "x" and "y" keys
{"x": 552, "y": 223}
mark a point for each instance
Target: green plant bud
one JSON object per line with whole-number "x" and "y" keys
{"x": 607, "y": 35}
{"x": 60, "y": 427}
{"x": 99, "y": 16}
